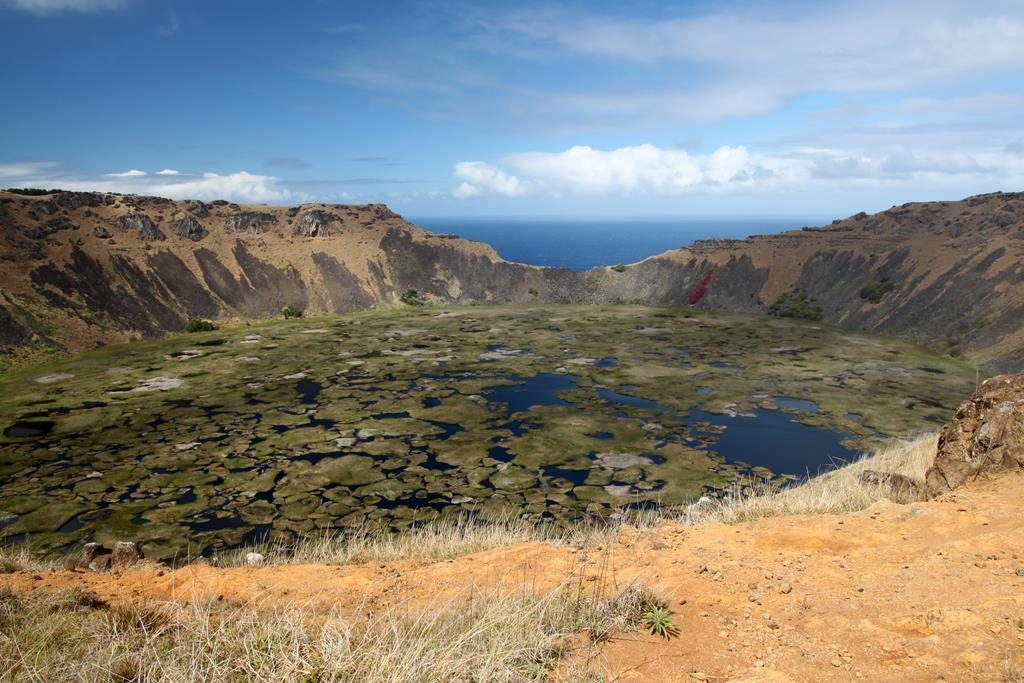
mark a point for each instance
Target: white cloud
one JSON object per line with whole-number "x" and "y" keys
{"x": 466, "y": 191}
{"x": 168, "y": 171}
{"x": 241, "y": 186}
{"x": 134, "y": 173}
{"x": 52, "y": 6}
{"x": 480, "y": 176}
{"x": 653, "y": 171}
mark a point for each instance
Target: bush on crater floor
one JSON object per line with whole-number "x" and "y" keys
{"x": 796, "y": 304}
{"x": 199, "y": 325}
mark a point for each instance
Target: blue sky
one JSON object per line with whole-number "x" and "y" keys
{"x": 525, "y": 108}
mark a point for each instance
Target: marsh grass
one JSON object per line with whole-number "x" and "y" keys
{"x": 837, "y": 491}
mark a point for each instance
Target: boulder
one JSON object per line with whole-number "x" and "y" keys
{"x": 88, "y": 554}
{"x": 125, "y": 554}
{"x": 98, "y": 558}
{"x": 986, "y": 435}
{"x": 101, "y": 232}
{"x": 189, "y": 228}
{"x": 142, "y": 224}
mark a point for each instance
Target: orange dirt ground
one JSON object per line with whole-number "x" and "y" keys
{"x": 922, "y": 592}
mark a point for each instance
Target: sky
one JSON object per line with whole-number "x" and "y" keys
{"x": 524, "y": 108}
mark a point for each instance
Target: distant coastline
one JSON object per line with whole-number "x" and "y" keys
{"x": 580, "y": 244}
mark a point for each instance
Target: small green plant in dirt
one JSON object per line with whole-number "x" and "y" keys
{"x": 875, "y": 291}
{"x": 619, "y": 268}
{"x": 796, "y": 304}
{"x": 198, "y": 325}
{"x": 658, "y": 620}
{"x": 291, "y": 312}
{"x": 410, "y": 297}
{"x": 533, "y": 292}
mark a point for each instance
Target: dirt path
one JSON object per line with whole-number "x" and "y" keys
{"x": 923, "y": 592}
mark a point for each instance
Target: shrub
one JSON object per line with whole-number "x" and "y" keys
{"x": 874, "y": 291}
{"x": 533, "y": 292}
{"x": 291, "y": 312}
{"x": 618, "y": 268}
{"x": 30, "y": 191}
{"x": 796, "y": 304}
{"x": 198, "y": 325}
{"x": 410, "y": 297}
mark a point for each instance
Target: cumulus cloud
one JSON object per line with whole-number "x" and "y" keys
{"x": 627, "y": 170}
{"x": 651, "y": 170}
{"x": 168, "y": 171}
{"x": 52, "y": 6}
{"x": 134, "y": 173}
{"x": 480, "y": 176}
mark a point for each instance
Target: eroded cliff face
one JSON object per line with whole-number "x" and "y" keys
{"x": 78, "y": 269}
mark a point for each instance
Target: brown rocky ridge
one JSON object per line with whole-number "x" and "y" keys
{"x": 77, "y": 269}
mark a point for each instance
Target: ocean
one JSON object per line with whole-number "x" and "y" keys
{"x": 581, "y": 244}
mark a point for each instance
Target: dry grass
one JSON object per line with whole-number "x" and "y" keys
{"x": 440, "y": 540}
{"x": 22, "y": 558}
{"x": 496, "y": 637}
{"x": 840, "y": 491}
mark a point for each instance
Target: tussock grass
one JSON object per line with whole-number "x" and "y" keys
{"x": 493, "y": 637}
{"x": 442, "y": 539}
{"x": 22, "y": 558}
{"x": 838, "y": 491}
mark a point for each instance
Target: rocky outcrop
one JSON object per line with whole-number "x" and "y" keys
{"x": 143, "y": 225}
{"x": 250, "y": 222}
{"x": 315, "y": 223}
{"x": 189, "y": 228}
{"x": 986, "y": 435}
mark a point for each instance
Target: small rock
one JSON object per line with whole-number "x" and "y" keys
{"x": 254, "y": 559}
{"x": 785, "y": 589}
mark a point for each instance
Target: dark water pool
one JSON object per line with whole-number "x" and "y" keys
{"x": 540, "y": 390}
{"x": 773, "y": 439}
